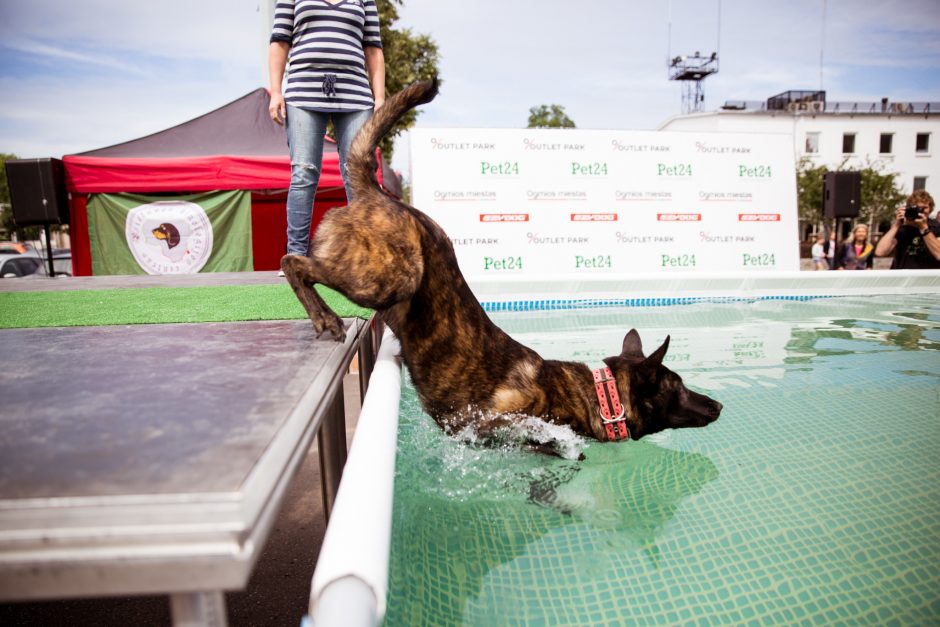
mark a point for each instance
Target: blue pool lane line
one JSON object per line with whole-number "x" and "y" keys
{"x": 593, "y": 303}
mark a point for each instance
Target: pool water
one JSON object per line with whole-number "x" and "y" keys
{"x": 815, "y": 498}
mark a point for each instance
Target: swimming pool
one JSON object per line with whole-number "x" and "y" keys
{"x": 815, "y": 497}
{"x": 484, "y": 534}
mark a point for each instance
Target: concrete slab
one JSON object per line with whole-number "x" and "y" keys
{"x": 134, "y": 454}
{"x": 278, "y": 589}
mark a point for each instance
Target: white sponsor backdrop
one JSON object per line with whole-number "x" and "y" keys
{"x": 546, "y": 202}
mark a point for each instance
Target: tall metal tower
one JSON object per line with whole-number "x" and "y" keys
{"x": 692, "y": 72}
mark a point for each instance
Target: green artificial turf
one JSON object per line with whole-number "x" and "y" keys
{"x": 162, "y": 305}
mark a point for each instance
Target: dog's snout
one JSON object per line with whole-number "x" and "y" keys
{"x": 718, "y": 407}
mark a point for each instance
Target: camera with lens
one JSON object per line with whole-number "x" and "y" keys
{"x": 911, "y": 212}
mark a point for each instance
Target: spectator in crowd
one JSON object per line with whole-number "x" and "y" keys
{"x": 829, "y": 248}
{"x": 819, "y": 254}
{"x": 856, "y": 253}
{"x": 913, "y": 238}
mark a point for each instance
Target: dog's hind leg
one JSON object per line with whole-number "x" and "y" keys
{"x": 370, "y": 251}
{"x": 302, "y": 274}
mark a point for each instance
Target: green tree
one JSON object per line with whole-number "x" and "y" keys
{"x": 4, "y": 187}
{"x": 549, "y": 116}
{"x": 408, "y": 58}
{"x": 809, "y": 188}
{"x": 880, "y": 195}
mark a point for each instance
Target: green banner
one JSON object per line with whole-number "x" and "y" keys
{"x": 134, "y": 234}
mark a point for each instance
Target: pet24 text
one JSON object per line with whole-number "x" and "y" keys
{"x": 677, "y": 261}
{"x": 592, "y": 261}
{"x": 589, "y": 169}
{"x": 673, "y": 169}
{"x": 503, "y": 168}
{"x": 506, "y": 263}
{"x": 759, "y": 260}
{"x": 754, "y": 172}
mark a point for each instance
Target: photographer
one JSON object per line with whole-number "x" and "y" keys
{"x": 913, "y": 238}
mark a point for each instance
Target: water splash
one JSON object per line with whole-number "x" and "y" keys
{"x": 520, "y": 431}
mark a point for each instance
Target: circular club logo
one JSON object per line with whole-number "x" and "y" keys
{"x": 169, "y": 237}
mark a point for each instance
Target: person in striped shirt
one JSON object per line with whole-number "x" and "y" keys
{"x": 332, "y": 52}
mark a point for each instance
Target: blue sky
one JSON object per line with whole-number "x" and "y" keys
{"x": 84, "y": 74}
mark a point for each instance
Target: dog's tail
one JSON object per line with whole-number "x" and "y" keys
{"x": 360, "y": 162}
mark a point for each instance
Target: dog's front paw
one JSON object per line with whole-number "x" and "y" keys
{"x": 330, "y": 327}
{"x": 332, "y": 334}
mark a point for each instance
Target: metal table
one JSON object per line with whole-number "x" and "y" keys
{"x": 154, "y": 458}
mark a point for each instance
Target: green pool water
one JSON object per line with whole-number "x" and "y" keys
{"x": 814, "y": 499}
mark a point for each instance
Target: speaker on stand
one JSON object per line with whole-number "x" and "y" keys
{"x": 38, "y": 196}
{"x": 842, "y": 199}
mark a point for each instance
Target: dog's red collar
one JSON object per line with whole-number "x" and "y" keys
{"x": 612, "y": 412}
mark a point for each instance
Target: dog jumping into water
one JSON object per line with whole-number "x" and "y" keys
{"x": 386, "y": 255}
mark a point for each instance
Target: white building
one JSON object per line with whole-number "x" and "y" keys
{"x": 901, "y": 137}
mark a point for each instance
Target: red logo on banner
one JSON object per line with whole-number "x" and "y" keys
{"x": 679, "y": 217}
{"x": 593, "y": 217}
{"x": 758, "y": 217}
{"x": 504, "y": 217}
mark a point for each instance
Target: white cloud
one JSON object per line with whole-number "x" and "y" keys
{"x": 91, "y": 73}
{"x": 61, "y": 54}
{"x": 215, "y": 30}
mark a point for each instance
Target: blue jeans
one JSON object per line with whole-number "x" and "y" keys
{"x": 305, "y": 132}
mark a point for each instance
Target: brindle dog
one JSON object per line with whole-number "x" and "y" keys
{"x": 388, "y": 256}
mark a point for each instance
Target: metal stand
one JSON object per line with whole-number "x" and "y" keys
{"x": 198, "y": 609}
{"x": 368, "y": 349}
{"x": 45, "y": 227}
{"x": 331, "y": 442}
{"x": 331, "y": 439}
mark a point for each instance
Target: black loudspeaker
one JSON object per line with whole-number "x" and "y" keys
{"x": 37, "y": 191}
{"x": 842, "y": 194}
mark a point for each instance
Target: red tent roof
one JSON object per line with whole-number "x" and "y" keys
{"x": 236, "y": 146}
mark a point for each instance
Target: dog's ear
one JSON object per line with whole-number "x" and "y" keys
{"x": 632, "y": 346}
{"x": 657, "y": 357}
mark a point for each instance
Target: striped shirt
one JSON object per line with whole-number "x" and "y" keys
{"x": 326, "y": 65}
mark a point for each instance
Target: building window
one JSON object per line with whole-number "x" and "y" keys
{"x": 887, "y": 139}
{"x": 848, "y": 143}
{"x": 812, "y": 143}
{"x": 920, "y": 182}
{"x": 923, "y": 142}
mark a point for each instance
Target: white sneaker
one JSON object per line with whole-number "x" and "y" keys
{"x": 280, "y": 273}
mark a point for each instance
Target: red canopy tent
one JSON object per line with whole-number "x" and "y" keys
{"x": 235, "y": 147}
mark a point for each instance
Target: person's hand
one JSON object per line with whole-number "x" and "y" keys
{"x": 277, "y": 109}
{"x": 899, "y": 215}
{"x": 921, "y": 222}
{"x": 378, "y": 103}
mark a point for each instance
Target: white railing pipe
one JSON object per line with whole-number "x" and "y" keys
{"x": 351, "y": 578}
